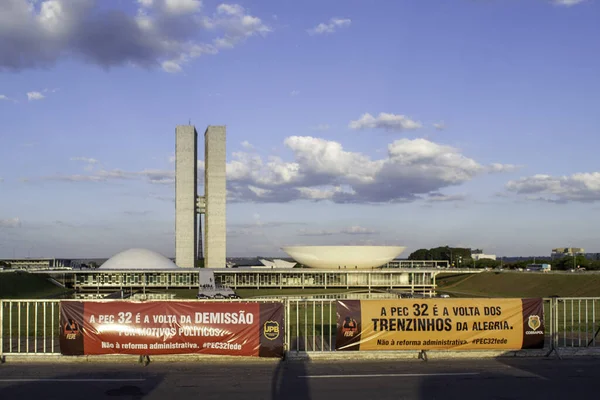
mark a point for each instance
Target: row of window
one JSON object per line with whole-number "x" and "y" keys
{"x": 262, "y": 279}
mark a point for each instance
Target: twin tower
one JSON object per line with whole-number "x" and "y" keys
{"x": 189, "y": 207}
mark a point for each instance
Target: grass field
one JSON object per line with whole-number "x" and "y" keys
{"x": 15, "y": 285}
{"x": 503, "y": 284}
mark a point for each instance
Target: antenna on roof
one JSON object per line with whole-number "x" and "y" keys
{"x": 190, "y": 121}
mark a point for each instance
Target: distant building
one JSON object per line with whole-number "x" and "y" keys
{"x": 37, "y": 263}
{"x": 479, "y": 255}
{"x": 561, "y": 252}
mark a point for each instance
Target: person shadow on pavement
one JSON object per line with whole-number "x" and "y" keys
{"x": 289, "y": 380}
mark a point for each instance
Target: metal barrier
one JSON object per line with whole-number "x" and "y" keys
{"x": 31, "y": 327}
{"x": 574, "y": 322}
{"x": 311, "y": 325}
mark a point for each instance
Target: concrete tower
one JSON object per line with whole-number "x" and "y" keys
{"x": 215, "y": 194}
{"x": 186, "y": 193}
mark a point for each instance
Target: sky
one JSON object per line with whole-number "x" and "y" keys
{"x": 470, "y": 123}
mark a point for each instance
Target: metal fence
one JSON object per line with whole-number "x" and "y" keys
{"x": 573, "y": 322}
{"x": 31, "y": 327}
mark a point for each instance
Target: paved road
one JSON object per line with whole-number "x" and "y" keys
{"x": 436, "y": 379}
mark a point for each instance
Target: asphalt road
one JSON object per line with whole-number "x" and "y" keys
{"x": 507, "y": 378}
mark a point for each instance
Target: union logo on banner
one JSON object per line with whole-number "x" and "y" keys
{"x": 71, "y": 330}
{"x": 271, "y": 330}
{"x": 349, "y": 327}
{"x": 534, "y": 322}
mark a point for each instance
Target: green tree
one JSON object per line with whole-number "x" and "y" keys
{"x": 567, "y": 263}
{"x": 593, "y": 265}
{"x": 450, "y": 254}
{"x": 421, "y": 254}
{"x": 485, "y": 263}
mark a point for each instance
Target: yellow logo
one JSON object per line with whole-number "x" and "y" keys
{"x": 271, "y": 330}
{"x": 534, "y": 322}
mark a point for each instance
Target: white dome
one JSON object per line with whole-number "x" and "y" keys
{"x": 138, "y": 259}
{"x": 344, "y": 257}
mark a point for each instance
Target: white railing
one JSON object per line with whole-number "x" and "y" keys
{"x": 31, "y": 327}
{"x": 573, "y": 321}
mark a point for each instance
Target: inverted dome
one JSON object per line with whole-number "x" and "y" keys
{"x": 139, "y": 259}
{"x": 344, "y": 257}
{"x": 277, "y": 263}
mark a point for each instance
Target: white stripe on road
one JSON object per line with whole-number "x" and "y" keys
{"x": 70, "y": 380}
{"x": 387, "y": 375}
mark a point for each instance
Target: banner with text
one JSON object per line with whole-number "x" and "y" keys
{"x": 440, "y": 324}
{"x": 171, "y": 327}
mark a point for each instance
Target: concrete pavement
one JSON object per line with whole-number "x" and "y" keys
{"x": 506, "y": 378}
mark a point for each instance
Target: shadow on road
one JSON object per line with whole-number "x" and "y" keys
{"x": 83, "y": 385}
{"x": 509, "y": 377}
{"x": 288, "y": 381}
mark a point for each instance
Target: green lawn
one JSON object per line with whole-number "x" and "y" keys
{"x": 526, "y": 284}
{"x": 19, "y": 285}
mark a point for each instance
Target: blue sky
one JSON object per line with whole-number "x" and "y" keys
{"x": 417, "y": 123}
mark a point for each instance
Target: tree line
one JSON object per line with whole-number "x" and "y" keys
{"x": 463, "y": 258}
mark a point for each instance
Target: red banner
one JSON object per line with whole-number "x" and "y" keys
{"x": 171, "y": 327}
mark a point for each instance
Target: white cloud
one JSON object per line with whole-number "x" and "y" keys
{"x": 1, "y": 180}
{"x": 442, "y": 198}
{"x": 155, "y": 176}
{"x": 85, "y": 159}
{"x": 150, "y": 175}
{"x": 166, "y": 33}
{"x": 294, "y": 93}
{"x": 247, "y": 145}
{"x": 500, "y": 168}
{"x": 10, "y": 223}
{"x": 440, "y": 126}
{"x": 358, "y": 230}
{"x": 323, "y": 170}
{"x": 386, "y": 121}
{"x": 567, "y": 3}
{"x": 171, "y": 66}
{"x": 35, "y": 96}
{"x": 236, "y": 24}
{"x": 580, "y": 187}
{"x": 352, "y": 230}
{"x": 321, "y": 127}
{"x": 91, "y": 162}
{"x": 331, "y": 26}
{"x": 6, "y": 98}
{"x": 72, "y": 178}
{"x": 178, "y": 7}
